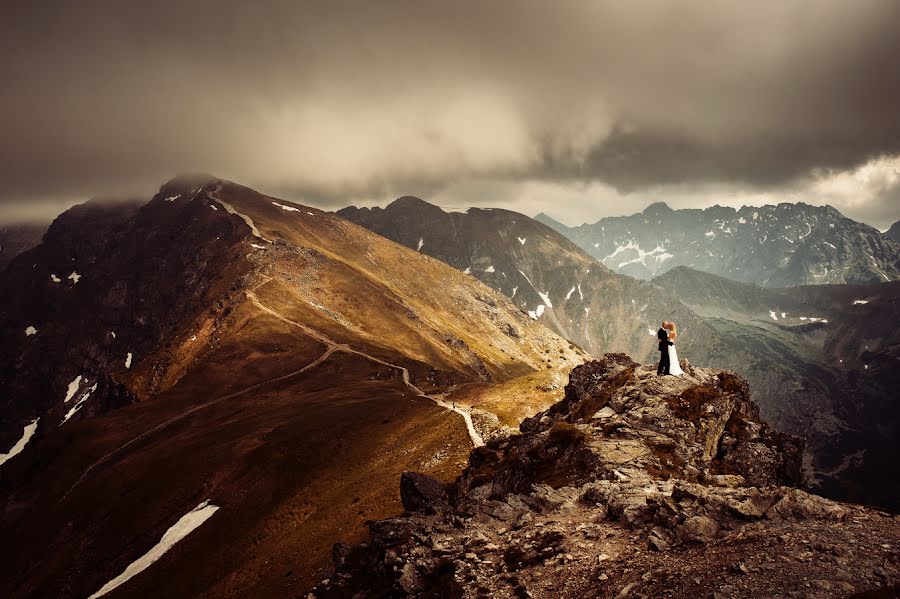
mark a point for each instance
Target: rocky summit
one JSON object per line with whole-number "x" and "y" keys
{"x": 633, "y": 485}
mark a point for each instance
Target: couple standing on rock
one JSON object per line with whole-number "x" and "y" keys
{"x": 668, "y": 357}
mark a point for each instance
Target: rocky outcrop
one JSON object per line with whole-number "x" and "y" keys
{"x": 631, "y": 485}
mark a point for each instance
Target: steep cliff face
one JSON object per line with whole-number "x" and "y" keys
{"x": 773, "y": 246}
{"x": 632, "y": 485}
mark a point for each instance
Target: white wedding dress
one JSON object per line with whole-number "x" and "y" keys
{"x": 674, "y": 366}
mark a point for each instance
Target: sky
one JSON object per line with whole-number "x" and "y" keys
{"x": 580, "y": 109}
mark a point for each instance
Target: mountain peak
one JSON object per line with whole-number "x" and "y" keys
{"x": 657, "y": 208}
{"x": 410, "y": 203}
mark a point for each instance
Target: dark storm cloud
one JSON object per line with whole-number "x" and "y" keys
{"x": 337, "y": 100}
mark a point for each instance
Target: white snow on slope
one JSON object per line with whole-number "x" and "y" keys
{"x": 536, "y": 313}
{"x": 213, "y": 207}
{"x": 30, "y": 330}
{"x": 286, "y": 208}
{"x": 73, "y": 388}
{"x": 257, "y": 246}
{"x": 773, "y": 315}
{"x": 546, "y": 299}
{"x": 185, "y": 525}
{"x": 75, "y": 277}
{"x": 128, "y": 360}
{"x": 172, "y": 198}
{"x": 78, "y": 404}
{"x": 522, "y": 240}
{"x": 580, "y": 295}
{"x": 858, "y": 302}
{"x": 514, "y": 292}
{"x": 421, "y": 243}
{"x": 21, "y": 443}
{"x": 489, "y": 268}
{"x": 710, "y": 234}
{"x": 54, "y": 278}
{"x": 468, "y": 270}
{"x": 784, "y": 314}
{"x": 571, "y": 291}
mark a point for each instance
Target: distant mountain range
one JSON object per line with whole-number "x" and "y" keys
{"x": 774, "y": 337}
{"x": 219, "y": 349}
{"x": 770, "y": 246}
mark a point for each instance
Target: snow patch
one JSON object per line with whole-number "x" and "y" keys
{"x": 514, "y": 292}
{"x": 30, "y": 330}
{"x": 742, "y": 221}
{"x": 773, "y": 315}
{"x": 54, "y": 278}
{"x": 213, "y": 207}
{"x": 536, "y": 313}
{"x": 128, "y": 360}
{"x": 710, "y": 234}
{"x": 73, "y": 388}
{"x": 468, "y": 270}
{"x": 421, "y": 243}
{"x": 286, "y": 208}
{"x": 858, "y": 302}
{"x": 185, "y": 525}
{"x": 172, "y": 198}
{"x": 489, "y": 268}
{"x": 257, "y": 246}
{"x": 571, "y": 291}
{"x": 16, "y": 449}
{"x": 546, "y": 299}
{"x": 75, "y": 277}
{"x": 78, "y": 405}
{"x": 522, "y": 240}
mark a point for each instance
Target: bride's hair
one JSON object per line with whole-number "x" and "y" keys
{"x": 673, "y": 334}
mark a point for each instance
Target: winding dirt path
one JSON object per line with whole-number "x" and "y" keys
{"x": 331, "y": 347}
{"x": 475, "y": 437}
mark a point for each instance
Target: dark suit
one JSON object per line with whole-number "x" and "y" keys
{"x": 664, "y": 343}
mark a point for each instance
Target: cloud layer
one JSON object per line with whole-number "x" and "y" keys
{"x": 342, "y": 101}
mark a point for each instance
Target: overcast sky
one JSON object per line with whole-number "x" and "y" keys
{"x": 579, "y": 109}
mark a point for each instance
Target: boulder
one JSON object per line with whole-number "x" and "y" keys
{"x": 422, "y": 493}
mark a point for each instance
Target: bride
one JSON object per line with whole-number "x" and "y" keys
{"x": 675, "y": 367}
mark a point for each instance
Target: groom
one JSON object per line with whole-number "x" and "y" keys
{"x": 663, "y": 335}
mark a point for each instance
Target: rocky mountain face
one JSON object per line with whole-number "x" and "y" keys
{"x": 770, "y": 246}
{"x": 544, "y": 274}
{"x": 722, "y": 323}
{"x": 18, "y": 238}
{"x": 632, "y": 485}
{"x": 248, "y": 372}
{"x": 841, "y": 344}
{"x": 894, "y": 232}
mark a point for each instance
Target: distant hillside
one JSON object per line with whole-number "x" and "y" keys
{"x": 18, "y": 238}
{"x": 771, "y": 246}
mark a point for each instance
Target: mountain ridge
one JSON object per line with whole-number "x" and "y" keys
{"x": 220, "y": 347}
{"x": 773, "y": 245}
